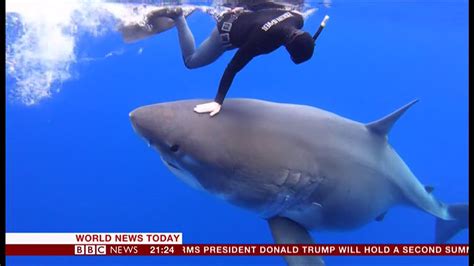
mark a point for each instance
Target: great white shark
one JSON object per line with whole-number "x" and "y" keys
{"x": 299, "y": 167}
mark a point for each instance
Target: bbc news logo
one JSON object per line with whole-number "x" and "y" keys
{"x": 90, "y": 250}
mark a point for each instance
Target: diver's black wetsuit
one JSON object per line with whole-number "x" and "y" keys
{"x": 261, "y": 30}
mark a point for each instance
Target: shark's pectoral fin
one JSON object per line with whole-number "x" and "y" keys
{"x": 286, "y": 231}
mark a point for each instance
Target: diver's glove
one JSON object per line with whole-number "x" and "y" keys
{"x": 212, "y": 107}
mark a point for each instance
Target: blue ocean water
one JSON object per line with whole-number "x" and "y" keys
{"x": 74, "y": 163}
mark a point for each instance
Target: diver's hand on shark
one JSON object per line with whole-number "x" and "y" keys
{"x": 212, "y": 107}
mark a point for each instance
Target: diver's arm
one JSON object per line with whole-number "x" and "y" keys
{"x": 240, "y": 59}
{"x": 238, "y": 62}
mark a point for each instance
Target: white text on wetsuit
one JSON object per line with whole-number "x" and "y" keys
{"x": 275, "y": 21}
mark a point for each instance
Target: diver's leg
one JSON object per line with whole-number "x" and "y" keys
{"x": 186, "y": 38}
{"x": 208, "y": 51}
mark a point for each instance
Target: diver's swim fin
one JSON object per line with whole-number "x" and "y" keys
{"x": 153, "y": 24}
{"x": 286, "y": 231}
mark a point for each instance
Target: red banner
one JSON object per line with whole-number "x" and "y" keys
{"x": 239, "y": 250}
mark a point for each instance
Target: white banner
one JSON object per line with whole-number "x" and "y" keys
{"x": 93, "y": 238}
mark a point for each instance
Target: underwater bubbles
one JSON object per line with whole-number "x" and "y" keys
{"x": 41, "y": 41}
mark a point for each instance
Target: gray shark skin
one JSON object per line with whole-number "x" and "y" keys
{"x": 299, "y": 167}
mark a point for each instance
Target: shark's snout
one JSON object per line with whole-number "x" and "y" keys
{"x": 146, "y": 122}
{"x": 154, "y": 123}
{"x": 136, "y": 118}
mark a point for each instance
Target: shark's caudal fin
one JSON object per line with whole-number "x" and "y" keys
{"x": 445, "y": 229}
{"x": 383, "y": 126}
{"x": 286, "y": 231}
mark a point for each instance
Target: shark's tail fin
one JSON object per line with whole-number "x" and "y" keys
{"x": 445, "y": 229}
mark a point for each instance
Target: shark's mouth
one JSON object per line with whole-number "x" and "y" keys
{"x": 183, "y": 174}
{"x": 173, "y": 165}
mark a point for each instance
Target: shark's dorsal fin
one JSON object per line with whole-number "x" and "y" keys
{"x": 383, "y": 126}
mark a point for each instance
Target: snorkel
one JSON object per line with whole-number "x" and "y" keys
{"x": 321, "y": 27}
{"x": 300, "y": 44}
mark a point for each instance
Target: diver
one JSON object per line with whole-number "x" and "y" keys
{"x": 255, "y": 30}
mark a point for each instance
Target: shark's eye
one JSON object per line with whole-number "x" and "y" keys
{"x": 174, "y": 148}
